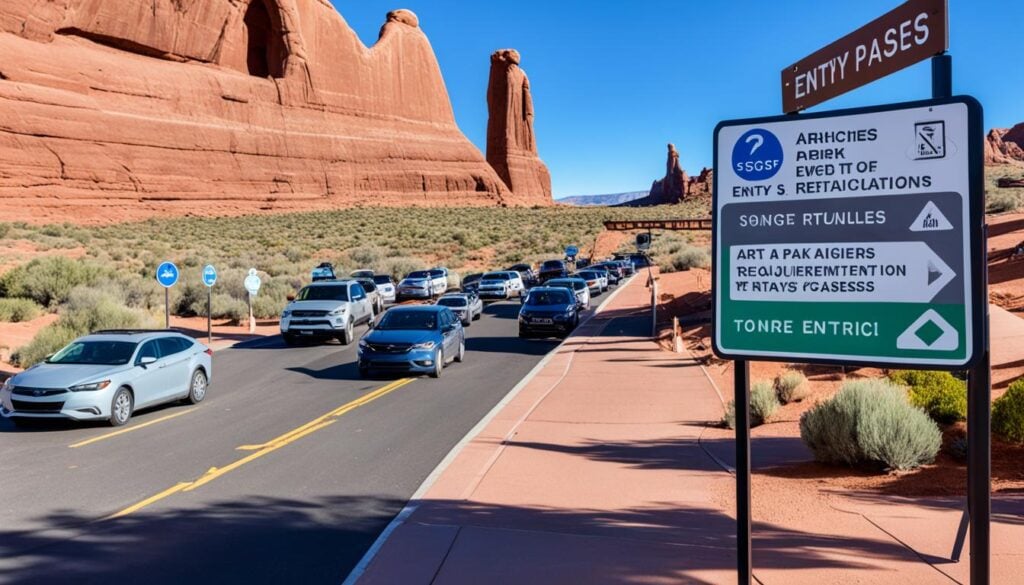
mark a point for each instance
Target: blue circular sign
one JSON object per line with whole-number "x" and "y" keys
{"x": 571, "y": 251}
{"x": 167, "y": 274}
{"x": 757, "y": 155}
{"x": 209, "y": 275}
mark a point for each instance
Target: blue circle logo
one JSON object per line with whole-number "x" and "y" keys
{"x": 167, "y": 274}
{"x": 757, "y": 155}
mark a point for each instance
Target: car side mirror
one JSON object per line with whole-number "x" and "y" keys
{"x": 147, "y": 360}
{"x": 372, "y": 323}
{"x": 290, "y": 298}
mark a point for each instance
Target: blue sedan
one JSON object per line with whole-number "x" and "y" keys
{"x": 413, "y": 339}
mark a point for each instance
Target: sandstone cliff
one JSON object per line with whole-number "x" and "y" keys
{"x": 511, "y": 144}
{"x": 1005, "y": 145}
{"x": 125, "y": 107}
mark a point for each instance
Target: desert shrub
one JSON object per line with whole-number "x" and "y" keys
{"x": 5, "y": 228}
{"x": 790, "y": 387}
{"x": 1008, "y": 413}
{"x": 48, "y": 280}
{"x": 1002, "y": 201}
{"x": 940, "y": 394}
{"x": 870, "y": 421}
{"x": 763, "y": 402}
{"x": 86, "y": 310}
{"x": 18, "y": 310}
{"x": 399, "y": 266}
{"x": 367, "y": 256}
{"x": 191, "y": 300}
{"x": 729, "y": 417}
{"x": 686, "y": 258}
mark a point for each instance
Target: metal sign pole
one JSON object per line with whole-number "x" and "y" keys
{"x": 209, "y": 315}
{"x": 167, "y": 308}
{"x": 741, "y": 402}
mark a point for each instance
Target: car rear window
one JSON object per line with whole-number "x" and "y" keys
{"x": 496, "y": 276}
{"x": 419, "y": 274}
{"x": 552, "y": 265}
{"x": 452, "y": 302}
{"x": 382, "y": 279}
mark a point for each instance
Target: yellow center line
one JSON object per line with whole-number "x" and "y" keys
{"x": 309, "y": 428}
{"x": 128, "y": 429}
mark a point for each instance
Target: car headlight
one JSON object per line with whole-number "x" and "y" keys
{"x": 285, "y": 314}
{"x": 338, "y": 311}
{"x": 7, "y": 385}
{"x": 363, "y": 344}
{"x": 90, "y": 387}
{"x": 424, "y": 345}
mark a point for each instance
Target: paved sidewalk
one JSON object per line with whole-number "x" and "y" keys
{"x": 595, "y": 472}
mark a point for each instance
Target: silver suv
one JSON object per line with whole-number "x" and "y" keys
{"x": 325, "y": 309}
{"x": 108, "y": 375}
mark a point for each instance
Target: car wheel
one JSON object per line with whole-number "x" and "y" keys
{"x": 121, "y": 407}
{"x": 462, "y": 351}
{"x": 197, "y": 389}
{"x": 478, "y": 315}
{"x": 349, "y": 334}
{"x": 438, "y": 364}
{"x": 467, "y": 322}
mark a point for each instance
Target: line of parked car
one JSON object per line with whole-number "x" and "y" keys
{"x": 107, "y": 375}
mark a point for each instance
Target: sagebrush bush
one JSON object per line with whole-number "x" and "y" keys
{"x": 18, "y": 310}
{"x": 399, "y": 266}
{"x": 686, "y": 258}
{"x": 48, "y": 280}
{"x": 5, "y": 228}
{"x": 729, "y": 417}
{"x": 87, "y": 310}
{"x": 1008, "y": 414}
{"x": 870, "y": 421}
{"x": 790, "y": 386}
{"x": 940, "y": 394}
{"x": 1002, "y": 201}
{"x": 763, "y": 402}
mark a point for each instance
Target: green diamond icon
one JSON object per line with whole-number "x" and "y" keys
{"x": 928, "y": 332}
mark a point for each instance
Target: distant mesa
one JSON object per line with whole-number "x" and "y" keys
{"x": 511, "y": 143}
{"x": 1005, "y": 145}
{"x": 126, "y": 109}
{"x": 606, "y": 199}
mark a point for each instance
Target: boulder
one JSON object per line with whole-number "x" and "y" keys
{"x": 511, "y": 143}
{"x": 1005, "y": 145}
{"x": 124, "y": 109}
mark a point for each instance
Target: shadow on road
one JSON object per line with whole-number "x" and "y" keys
{"x": 511, "y": 345}
{"x": 49, "y": 425}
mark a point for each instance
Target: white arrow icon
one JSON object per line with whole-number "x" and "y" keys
{"x": 930, "y": 332}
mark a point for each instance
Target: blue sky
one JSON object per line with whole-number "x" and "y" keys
{"x": 614, "y": 81}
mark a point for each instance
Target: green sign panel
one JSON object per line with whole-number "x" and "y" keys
{"x": 851, "y": 237}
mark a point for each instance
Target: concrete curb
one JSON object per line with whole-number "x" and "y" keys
{"x": 410, "y": 507}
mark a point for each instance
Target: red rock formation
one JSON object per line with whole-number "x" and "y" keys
{"x": 511, "y": 144}
{"x": 702, "y": 184}
{"x": 171, "y": 106}
{"x": 671, "y": 188}
{"x": 1005, "y": 146}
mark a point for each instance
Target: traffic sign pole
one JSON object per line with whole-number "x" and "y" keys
{"x": 209, "y": 315}
{"x": 167, "y": 308}
{"x": 741, "y": 402}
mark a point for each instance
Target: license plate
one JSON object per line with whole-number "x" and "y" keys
{"x": 305, "y": 333}
{"x": 543, "y": 321}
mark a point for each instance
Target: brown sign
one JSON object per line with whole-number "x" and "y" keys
{"x": 658, "y": 224}
{"x": 912, "y": 32}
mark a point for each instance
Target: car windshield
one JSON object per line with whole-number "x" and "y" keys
{"x": 401, "y": 320}
{"x": 472, "y": 278}
{"x": 589, "y": 274}
{"x": 368, "y": 285}
{"x": 107, "y": 353}
{"x": 323, "y": 273}
{"x": 382, "y": 279}
{"x": 497, "y": 276}
{"x": 419, "y": 274}
{"x": 552, "y": 265}
{"x": 436, "y": 273}
{"x": 452, "y": 302}
{"x": 323, "y": 293}
{"x": 548, "y": 297}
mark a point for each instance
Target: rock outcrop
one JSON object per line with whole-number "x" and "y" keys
{"x": 511, "y": 143}
{"x": 702, "y": 184}
{"x": 1005, "y": 145}
{"x": 672, "y": 187}
{"x": 124, "y": 107}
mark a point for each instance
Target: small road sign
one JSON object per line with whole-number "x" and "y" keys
{"x": 209, "y": 275}
{"x": 571, "y": 251}
{"x": 167, "y": 274}
{"x": 643, "y": 242}
{"x": 851, "y": 237}
{"x": 252, "y": 282}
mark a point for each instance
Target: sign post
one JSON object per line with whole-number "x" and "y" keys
{"x": 252, "y": 286}
{"x": 209, "y": 279}
{"x": 167, "y": 275}
{"x": 854, "y": 238}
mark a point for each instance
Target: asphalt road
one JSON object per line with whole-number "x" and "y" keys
{"x": 286, "y": 473}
